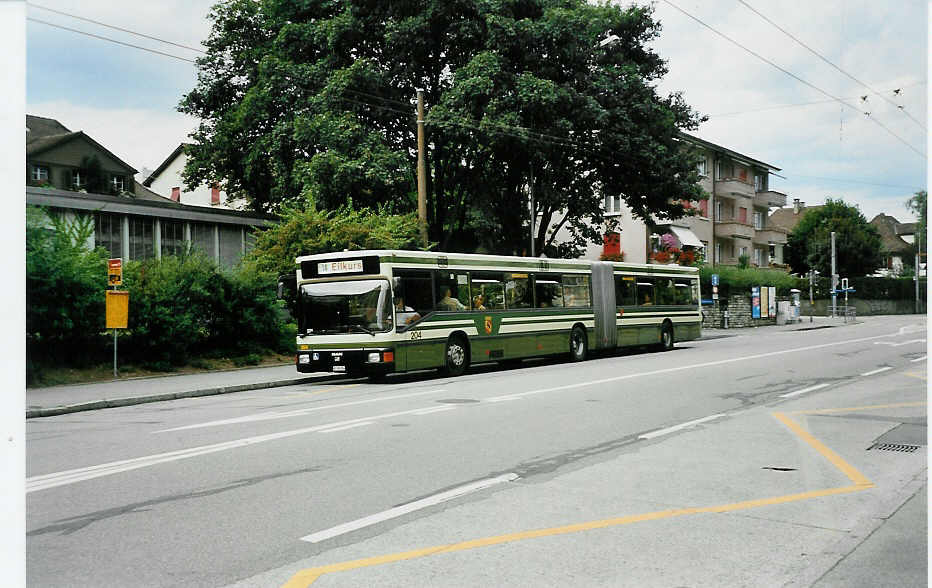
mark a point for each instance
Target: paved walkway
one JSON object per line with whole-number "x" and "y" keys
{"x": 56, "y": 400}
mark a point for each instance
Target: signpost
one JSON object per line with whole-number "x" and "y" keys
{"x": 714, "y": 286}
{"x": 117, "y": 304}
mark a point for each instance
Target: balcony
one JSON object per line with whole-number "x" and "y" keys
{"x": 770, "y": 235}
{"x": 731, "y": 228}
{"x": 734, "y": 186}
{"x": 769, "y": 198}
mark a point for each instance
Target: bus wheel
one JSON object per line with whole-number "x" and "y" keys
{"x": 666, "y": 337}
{"x": 456, "y": 356}
{"x": 578, "y": 344}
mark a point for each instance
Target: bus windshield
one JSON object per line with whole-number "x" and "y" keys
{"x": 352, "y": 306}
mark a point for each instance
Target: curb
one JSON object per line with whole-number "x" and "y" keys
{"x": 131, "y": 400}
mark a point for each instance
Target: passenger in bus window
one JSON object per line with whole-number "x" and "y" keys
{"x": 478, "y": 302}
{"x": 405, "y": 315}
{"x": 448, "y": 302}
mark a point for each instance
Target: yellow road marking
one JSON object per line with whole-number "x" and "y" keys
{"x": 305, "y": 578}
{"x": 914, "y": 375}
{"x": 857, "y": 408}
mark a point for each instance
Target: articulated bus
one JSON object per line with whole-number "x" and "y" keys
{"x": 376, "y": 312}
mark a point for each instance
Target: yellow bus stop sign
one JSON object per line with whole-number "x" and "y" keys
{"x": 117, "y": 309}
{"x": 115, "y": 272}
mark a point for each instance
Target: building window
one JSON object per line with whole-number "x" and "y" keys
{"x": 725, "y": 168}
{"x": 40, "y": 173}
{"x": 172, "y": 237}
{"x": 758, "y": 220}
{"x": 141, "y": 241}
{"x": 718, "y": 210}
{"x": 758, "y": 257}
{"x": 202, "y": 239}
{"x": 742, "y": 251}
{"x": 78, "y": 178}
{"x": 612, "y": 205}
{"x": 742, "y": 214}
{"x": 116, "y": 182}
{"x": 703, "y": 167}
{"x": 718, "y": 253}
{"x": 704, "y": 208}
{"x": 231, "y": 245}
{"x": 108, "y": 233}
{"x": 760, "y": 183}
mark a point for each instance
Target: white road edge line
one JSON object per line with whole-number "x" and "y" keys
{"x": 678, "y": 427}
{"x": 433, "y": 409}
{"x": 345, "y": 427}
{"x": 923, "y": 358}
{"x": 406, "y": 508}
{"x": 803, "y": 391}
{"x": 502, "y": 398}
{"x": 877, "y": 371}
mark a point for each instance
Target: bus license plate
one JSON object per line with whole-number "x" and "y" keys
{"x": 339, "y": 368}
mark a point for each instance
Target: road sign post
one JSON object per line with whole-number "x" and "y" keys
{"x": 117, "y": 309}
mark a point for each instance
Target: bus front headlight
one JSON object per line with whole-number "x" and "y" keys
{"x": 375, "y": 357}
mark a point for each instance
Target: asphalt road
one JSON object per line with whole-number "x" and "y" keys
{"x": 257, "y": 488}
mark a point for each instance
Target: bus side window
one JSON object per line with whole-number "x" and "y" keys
{"x": 625, "y": 290}
{"x": 683, "y": 293}
{"x": 663, "y": 287}
{"x": 576, "y": 290}
{"x": 452, "y": 291}
{"x": 518, "y": 291}
{"x": 488, "y": 291}
{"x": 549, "y": 291}
{"x": 412, "y": 288}
{"x": 645, "y": 291}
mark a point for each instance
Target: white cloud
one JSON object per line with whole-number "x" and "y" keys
{"x": 141, "y": 138}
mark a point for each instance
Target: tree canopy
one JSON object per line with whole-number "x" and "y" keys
{"x": 917, "y": 205}
{"x": 857, "y": 242}
{"x": 316, "y": 98}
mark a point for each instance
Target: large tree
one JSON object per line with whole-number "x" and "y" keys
{"x": 857, "y": 242}
{"x": 315, "y": 97}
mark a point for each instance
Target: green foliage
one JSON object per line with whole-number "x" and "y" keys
{"x": 184, "y": 306}
{"x": 857, "y": 242}
{"x": 65, "y": 285}
{"x": 734, "y": 280}
{"x": 316, "y": 97}
{"x": 305, "y": 231}
{"x": 744, "y": 261}
{"x": 917, "y": 204}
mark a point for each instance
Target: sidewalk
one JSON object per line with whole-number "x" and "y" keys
{"x": 805, "y": 323}
{"x": 57, "y": 400}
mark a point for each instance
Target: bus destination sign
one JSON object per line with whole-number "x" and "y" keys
{"x": 339, "y": 267}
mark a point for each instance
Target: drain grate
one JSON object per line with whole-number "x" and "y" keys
{"x": 902, "y": 447}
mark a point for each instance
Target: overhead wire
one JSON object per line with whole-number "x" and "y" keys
{"x": 826, "y": 60}
{"x": 792, "y": 75}
{"x": 116, "y": 28}
{"x": 58, "y": 26}
{"x": 797, "y": 104}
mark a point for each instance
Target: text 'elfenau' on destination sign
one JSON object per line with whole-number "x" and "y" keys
{"x": 340, "y": 267}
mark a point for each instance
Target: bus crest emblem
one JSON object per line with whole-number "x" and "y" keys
{"x": 488, "y": 325}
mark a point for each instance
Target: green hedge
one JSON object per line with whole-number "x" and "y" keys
{"x": 180, "y": 307}
{"x": 736, "y": 280}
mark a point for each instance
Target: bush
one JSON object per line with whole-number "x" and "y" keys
{"x": 65, "y": 285}
{"x": 244, "y": 360}
{"x": 734, "y": 280}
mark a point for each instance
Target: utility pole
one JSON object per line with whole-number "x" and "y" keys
{"x": 811, "y": 301}
{"x": 421, "y": 171}
{"x": 533, "y": 209}
{"x": 916, "y": 273}
{"x": 834, "y": 279}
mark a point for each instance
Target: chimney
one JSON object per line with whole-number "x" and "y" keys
{"x": 176, "y": 194}
{"x": 215, "y": 194}
{"x": 797, "y": 205}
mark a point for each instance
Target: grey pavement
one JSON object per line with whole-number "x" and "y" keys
{"x": 56, "y": 400}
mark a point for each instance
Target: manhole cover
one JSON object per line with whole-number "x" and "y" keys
{"x": 894, "y": 447}
{"x": 457, "y": 401}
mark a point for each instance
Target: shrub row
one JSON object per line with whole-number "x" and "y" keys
{"x": 180, "y": 307}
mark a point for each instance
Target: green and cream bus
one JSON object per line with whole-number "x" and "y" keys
{"x": 375, "y": 312}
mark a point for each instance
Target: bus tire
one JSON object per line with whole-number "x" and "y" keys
{"x": 579, "y": 344}
{"x": 666, "y": 336}
{"x": 456, "y": 356}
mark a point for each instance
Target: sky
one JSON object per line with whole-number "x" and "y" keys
{"x": 126, "y": 98}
